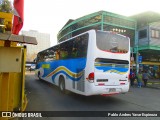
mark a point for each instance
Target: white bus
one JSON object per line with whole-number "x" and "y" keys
{"x": 91, "y": 63}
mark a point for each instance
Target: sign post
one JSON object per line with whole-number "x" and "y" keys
{"x": 139, "y": 59}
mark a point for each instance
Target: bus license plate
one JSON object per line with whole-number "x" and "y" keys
{"x": 112, "y": 90}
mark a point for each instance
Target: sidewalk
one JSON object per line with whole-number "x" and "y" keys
{"x": 154, "y": 83}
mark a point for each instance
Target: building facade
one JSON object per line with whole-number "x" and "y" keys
{"x": 43, "y": 40}
{"x": 148, "y": 42}
{"x": 101, "y": 20}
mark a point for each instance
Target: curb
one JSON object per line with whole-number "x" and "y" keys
{"x": 155, "y": 85}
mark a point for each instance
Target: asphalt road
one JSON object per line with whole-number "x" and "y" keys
{"x": 43, "y": 96}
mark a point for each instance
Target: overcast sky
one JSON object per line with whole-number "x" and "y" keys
{"x": 49, "y": 16}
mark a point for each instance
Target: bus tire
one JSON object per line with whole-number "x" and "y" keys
{"x": 62, "y": 84}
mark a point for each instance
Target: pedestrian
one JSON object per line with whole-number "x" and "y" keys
{"x": 30, "y": 69}
{"x": 139, "y": 79}
{"x": 145, "y": 78}
{"x": 132, "y": 77}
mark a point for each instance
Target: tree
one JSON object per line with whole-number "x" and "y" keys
{"x": 5, "y": 6}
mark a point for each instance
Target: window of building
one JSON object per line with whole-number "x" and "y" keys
{"x": 155, "y": 33}
{"x": 142, "y": 34}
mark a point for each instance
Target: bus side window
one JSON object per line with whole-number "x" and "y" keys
{"x": 54, "y": 56}
{"x": 69, "y": 49}
{"x": 57, "y": 54}
{"x": 82, "y": 47}
{"x": 74, "y": 52}
{"x": 74, "y": 48}
{"x": 64, "y": 54}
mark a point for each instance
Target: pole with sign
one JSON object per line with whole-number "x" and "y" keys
{"x": 139, "y": 59}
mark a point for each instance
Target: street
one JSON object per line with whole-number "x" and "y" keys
{"x": 43, "y": 96}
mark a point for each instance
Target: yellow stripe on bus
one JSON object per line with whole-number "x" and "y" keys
{"x": 46, "y": 66}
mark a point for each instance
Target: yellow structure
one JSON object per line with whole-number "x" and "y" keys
{"x": 5, "y": 21}
{"x": 12, "y": 68}
{"x": 12, "y": 79}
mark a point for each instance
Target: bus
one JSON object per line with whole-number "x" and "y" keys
{"x": 91, "y": 63}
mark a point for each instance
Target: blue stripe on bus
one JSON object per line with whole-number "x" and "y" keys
{"x": 72, "y": 68}
{"x": 112, "y": 69}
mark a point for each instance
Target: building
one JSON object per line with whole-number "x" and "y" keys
{"x": 148, "y": 41}
{"x": 143, "y": 30}
{"x": 101, "y": 20}
{"x": 43, "y": 40}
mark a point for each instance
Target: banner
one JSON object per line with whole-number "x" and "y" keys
{"x": 81, "y": 114}
{"x": 18, "y": 16}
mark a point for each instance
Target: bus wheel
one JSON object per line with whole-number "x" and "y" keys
{"x": 62, "y": 84}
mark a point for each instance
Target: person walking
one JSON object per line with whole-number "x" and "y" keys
{"x": 145, "y": 78}
{"x": 139, "y": 79}
{"x": 132, "y": 77}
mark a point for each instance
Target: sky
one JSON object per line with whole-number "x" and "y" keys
{"x": 49, "y": 16}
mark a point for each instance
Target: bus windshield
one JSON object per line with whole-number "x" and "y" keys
{"x": 112, "y": 42}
